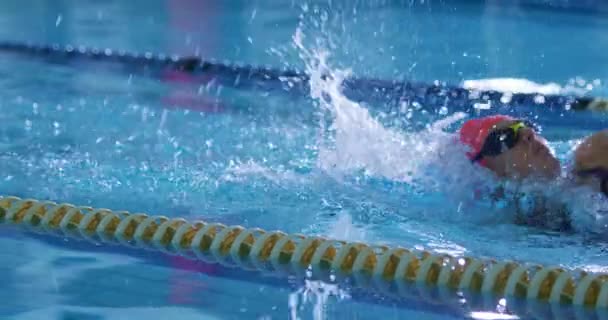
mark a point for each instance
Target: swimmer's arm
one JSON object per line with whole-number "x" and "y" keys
{"x": 535, "y": 215}
{"x": 554, "y": 217}
{"x": 538, "y": 213}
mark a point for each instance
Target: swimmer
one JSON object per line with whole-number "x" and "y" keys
{"x": 509, "y": 147}
{"x": 513, "y": 150}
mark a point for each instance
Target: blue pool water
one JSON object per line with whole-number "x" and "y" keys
{"x": 98, "y": 135}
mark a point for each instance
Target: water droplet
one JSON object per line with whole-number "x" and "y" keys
{"x": 483, "y": 106}
{"x": 539, "y": 99}
{"x": 506, "y": 98}
{"x": 332, "y": 275}
{"x": 446, "y": 261}
{"x": 580, "y": 81}
{"x": 502, "y": 302}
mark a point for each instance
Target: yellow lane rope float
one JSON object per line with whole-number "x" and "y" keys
{"x": 380, "y": 267}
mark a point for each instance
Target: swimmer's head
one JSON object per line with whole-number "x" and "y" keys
{"x": 509, "y": 147}
{"x": 591, "y": 161}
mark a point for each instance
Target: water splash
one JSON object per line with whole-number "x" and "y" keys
{"x": 588, "y": 210}
{"x": 515, "y": 85}
{"x": 356, "y": 141}
{"x": 352, "y": 142}
{"x": 345, "y": 229}
{"x": 316, "y": 295}
{"x": 239, "y": 171}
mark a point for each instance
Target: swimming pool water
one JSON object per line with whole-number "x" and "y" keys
{"x": 94, "y": 134}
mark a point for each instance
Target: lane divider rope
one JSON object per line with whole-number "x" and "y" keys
{"x": 228, "y": 73}
{"x": 378, "y": 267}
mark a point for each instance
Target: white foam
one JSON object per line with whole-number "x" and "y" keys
{"x": 344, "y": 229}
{"x": 237, "y": 171}
{"x": 316, "y": 296}
{"x": 518, "y": 85}
{"x": 355, "y": 141}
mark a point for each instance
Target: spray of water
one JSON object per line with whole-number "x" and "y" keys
{"x": 357, "y": 141}
{"x": 316, "y": 297}
{"x": 352, "y": 141}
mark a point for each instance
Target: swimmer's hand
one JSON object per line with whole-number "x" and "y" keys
{"x": 591, "y": 161}
{"x": 592, "y": 152}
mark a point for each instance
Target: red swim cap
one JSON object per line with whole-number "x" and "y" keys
{"x": 474, "y": 132}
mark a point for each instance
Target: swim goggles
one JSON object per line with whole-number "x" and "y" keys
{"x": 501, "y": 140}
{"x": 600, "y": 173}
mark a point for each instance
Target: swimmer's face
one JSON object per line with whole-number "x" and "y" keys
{"x": 530, "y": 156}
